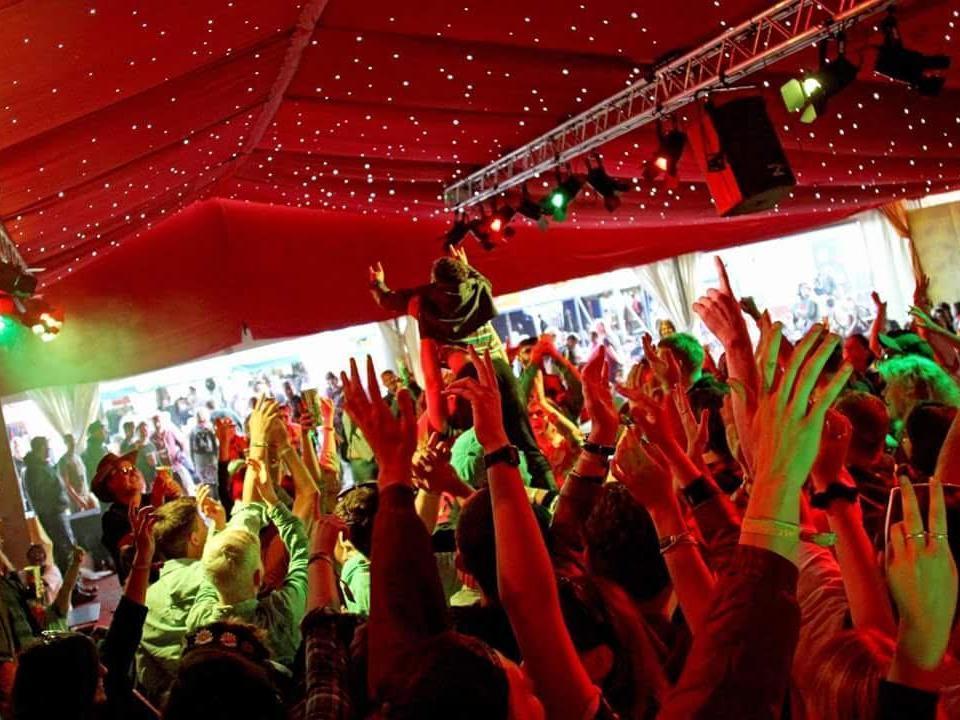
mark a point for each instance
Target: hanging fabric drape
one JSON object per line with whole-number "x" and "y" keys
{"x": 69, "y": 408}
{"x": 891, "y": 262}
{"x": 672, "y": 283}
{"x": 403, "y": 341}
{"x": 895, "y": 213}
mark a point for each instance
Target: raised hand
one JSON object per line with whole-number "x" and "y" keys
{"x": 264, "y": 484}
{"x": 788, "y": 424}
{"x": 79, "y": 554}
{"x": 211, "y": 508}
{"x": 265, "y": 412}
{"x": 921, "y": 292}
{"x": 433, "y": 472}
{"x": 643, "y": 470}
{"x": 327, "y": 412}
{"x": 598, "y": 400}
{"x": 225, "y": 430}
{"x": 834, "y": 443}
{"x": 326, "y": 531}
{"x": 923, "y": 581}
{"x": 483, "y": 394}
{"x": 393, "y": 439}
{"x": 459, "y": 253}
{"x": 376, "y": 273}
{"x": 143, "y": 540}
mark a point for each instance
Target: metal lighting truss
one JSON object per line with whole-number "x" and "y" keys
{"x": 784, "y": 29}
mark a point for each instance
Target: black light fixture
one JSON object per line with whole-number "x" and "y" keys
{"x": 458, "y": 231}
{"x": 606, "y": 187}
{"x": 809, "y": 93}
{"x": 531, "y": 209}
{"x": 492, "y": 229}
{"x": 663, "y": 163}
{"x": 557, "y": 203}
{"x": 15, "y": 281}
{"x": 909, "y": 66}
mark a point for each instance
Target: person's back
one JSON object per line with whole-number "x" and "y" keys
{"x": 234, "y": 574}
{"x": 180, "y": 534}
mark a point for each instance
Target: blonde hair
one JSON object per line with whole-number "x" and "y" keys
{"x": 840, "y": 681}
{"x": 230, "y": 559}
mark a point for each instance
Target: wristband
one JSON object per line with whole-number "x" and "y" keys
{"x": 259, "y": 445}
{"x": 604, "y": 451}
{"x": 835, "y": 491}
{"x": 787, "y": 530}
{"x": 671, "y": 542}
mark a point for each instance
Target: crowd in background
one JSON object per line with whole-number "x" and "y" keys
{"x": 547, "y": 529}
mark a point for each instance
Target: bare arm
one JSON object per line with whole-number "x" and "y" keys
{"x": 528, "y": 587}
{"x": 62, "y": 602}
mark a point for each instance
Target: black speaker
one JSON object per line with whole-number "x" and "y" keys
{"x": 740, "y": 155}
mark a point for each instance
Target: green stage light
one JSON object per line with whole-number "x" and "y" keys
{"x": 808, "y": 94}
{"x": 558, "y": 201}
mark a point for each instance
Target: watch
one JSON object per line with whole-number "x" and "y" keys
{"x": 604, "y": 451}
{"x": 508, "y": 455}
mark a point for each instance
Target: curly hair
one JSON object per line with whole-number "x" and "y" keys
{"x": 911, "y": 379}
{"x": 357, "y": 508}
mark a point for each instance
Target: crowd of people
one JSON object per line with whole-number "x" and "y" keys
{"x": 531, "y": 534}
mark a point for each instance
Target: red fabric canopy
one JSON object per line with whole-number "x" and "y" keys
{"x": 117, "y": 117}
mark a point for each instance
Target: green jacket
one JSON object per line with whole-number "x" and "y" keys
{"x": 169, "y": 601}
{"x": 279, "y": 613}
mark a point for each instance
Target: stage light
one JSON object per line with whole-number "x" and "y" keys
{"x": 493, "y": 229}
{"x": 606, "y": 187}
{"x": 557, "y": 203}
{"x": 663, "y": 163}
{"x": 909, "y": 66}
{"x": 808, "y": 95}
{"x": 458, "y": 232}
{"x": 531, "y": 209}
{"x": 15, "y": 281}
{"x": 44, "y": 321}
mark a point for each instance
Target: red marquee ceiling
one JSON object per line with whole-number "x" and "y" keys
{"x": 116, "y": 116}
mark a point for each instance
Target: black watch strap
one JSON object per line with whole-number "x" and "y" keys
{"x": 606, "y": 451}
{"x": 699, "y": 491}
{"x": 835, "y": 491}
{"x": 508, "y": 455}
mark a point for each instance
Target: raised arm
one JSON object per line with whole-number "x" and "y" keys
{"x": 648, "y": 465}
{"x": 754, "y": 619}
{"x": 836, "y": 494}
{"x": 582, "y": 487}
{"x": 923, "y": 580}
{"x": 407, "y": 603}
{"x": 528, "y": 587}
{"x": 878, "y": 325}
{"x": 721, "y": 313}
{"x": 393, "y": 300}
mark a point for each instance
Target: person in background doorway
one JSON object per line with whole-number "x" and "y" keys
{"x": 96, "y": 447}
{"x": 203, "y": 448}
{"x": 129, "y": 441}
{"x": 73, "y": 474}
{"x": 49, "y": 501}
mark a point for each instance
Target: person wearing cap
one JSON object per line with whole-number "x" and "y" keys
{"x": 118, "y": 482}
{"x": 96, "y": 447}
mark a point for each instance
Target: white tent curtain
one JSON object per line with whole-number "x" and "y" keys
{"x": 70, "y": 408}
{"x": 672, "y": 282}
{"x": 891, "y": 265}
{"x": 402, "y": 338}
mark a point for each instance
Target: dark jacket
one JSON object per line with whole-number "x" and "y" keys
{"x": 448, "y": 313}
{"x": 46, "y": 492}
